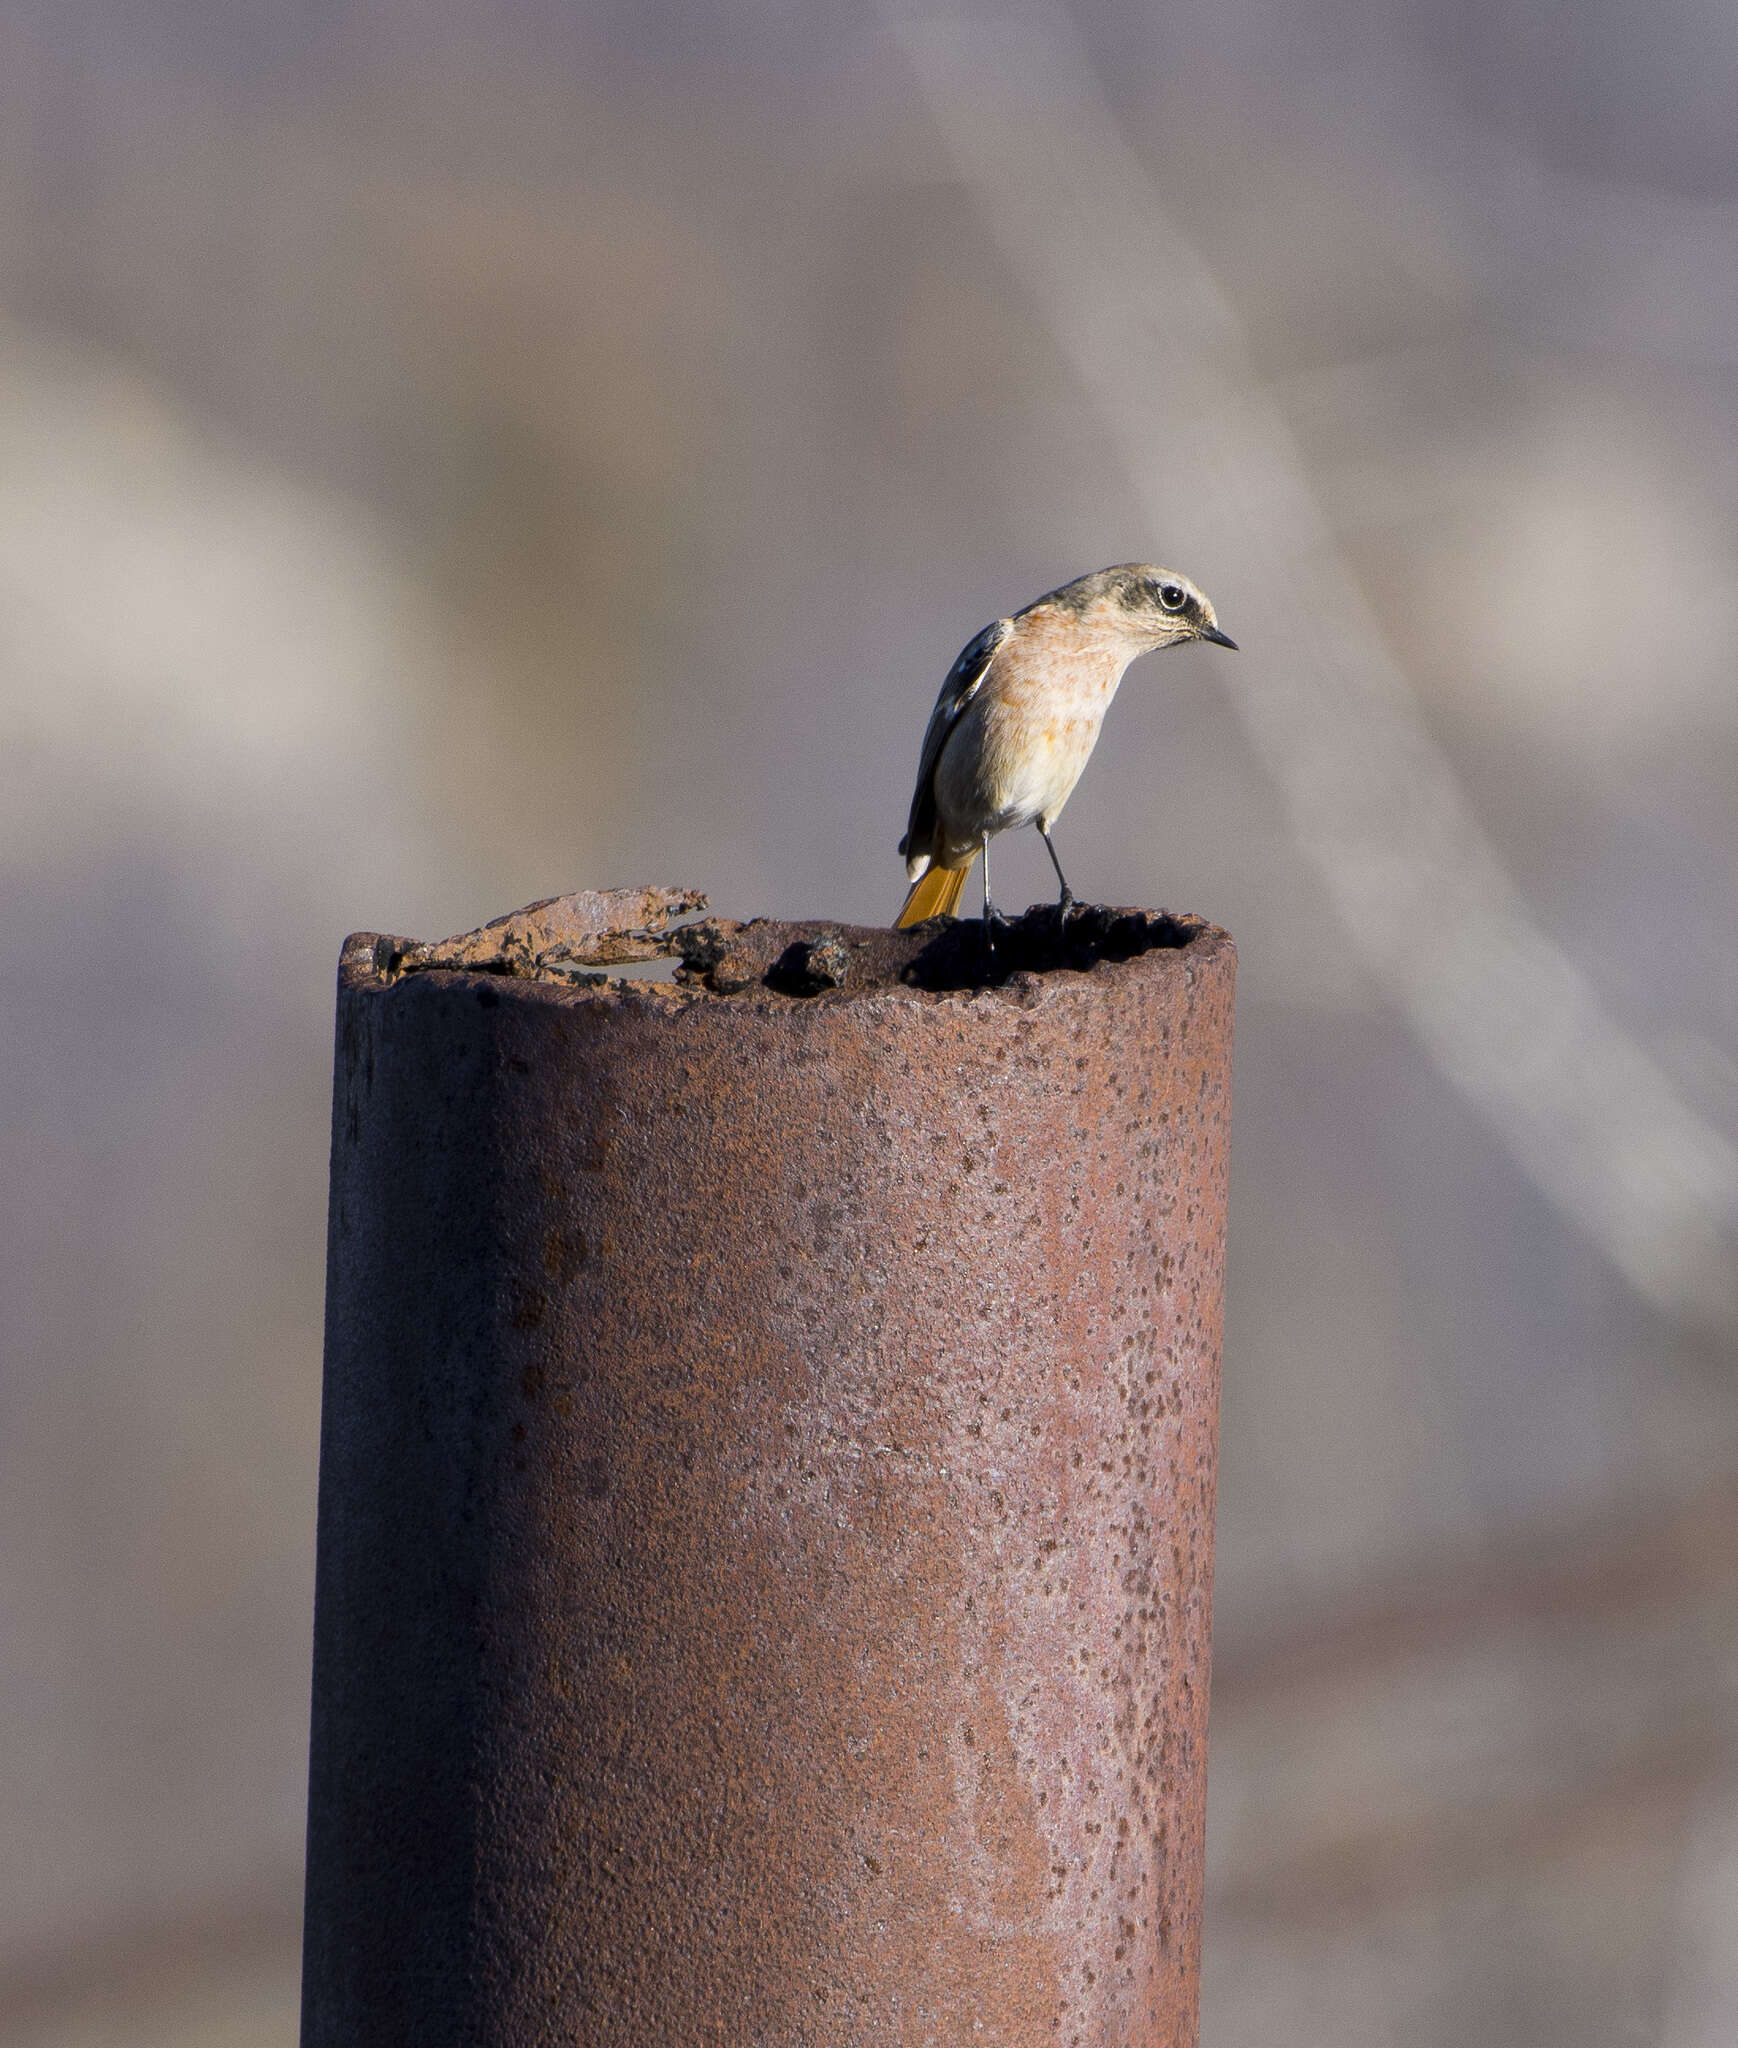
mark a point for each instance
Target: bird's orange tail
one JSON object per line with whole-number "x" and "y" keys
{"x": 935, "y": 893}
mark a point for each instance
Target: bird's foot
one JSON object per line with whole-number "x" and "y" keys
{"x": 1063, "y": 909}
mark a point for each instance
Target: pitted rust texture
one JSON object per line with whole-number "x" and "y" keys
{"x": 767, "y": 1499}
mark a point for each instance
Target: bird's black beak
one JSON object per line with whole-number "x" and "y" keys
{"x": 1218, "y": 639}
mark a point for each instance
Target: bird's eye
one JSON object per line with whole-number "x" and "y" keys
{"x": 1172, "y": 596}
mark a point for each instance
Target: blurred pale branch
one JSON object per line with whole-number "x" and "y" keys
{"x": 1506, "y": 1016}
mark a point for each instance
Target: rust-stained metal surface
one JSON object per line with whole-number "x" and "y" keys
{"x": 767, "y": 1494}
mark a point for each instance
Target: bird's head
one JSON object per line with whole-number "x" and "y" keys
{"x": 1140, "y": 602}
{"x": 1162, "y": 607}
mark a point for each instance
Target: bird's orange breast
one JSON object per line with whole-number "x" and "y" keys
{"x": 1022, "y": 745}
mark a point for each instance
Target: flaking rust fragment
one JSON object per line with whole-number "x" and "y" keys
{"x": 711, "y": 955}
{"x": 590, "y": 928}
{"x": 811, "y": 966}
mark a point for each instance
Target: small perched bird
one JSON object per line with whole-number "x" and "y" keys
{"x": 1019, "y": 715}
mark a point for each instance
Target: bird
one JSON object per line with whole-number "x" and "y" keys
{"x": 1019, "y": 715}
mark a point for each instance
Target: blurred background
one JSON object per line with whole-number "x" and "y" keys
{"x": 454, "y": 453}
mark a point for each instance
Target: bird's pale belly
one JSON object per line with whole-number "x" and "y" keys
{"x": 1009, "y": 764}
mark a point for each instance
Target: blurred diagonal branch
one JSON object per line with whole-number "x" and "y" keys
{"x": 1506, "y": 1016}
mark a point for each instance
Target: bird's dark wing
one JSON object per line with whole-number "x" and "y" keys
{"x": 964, "y": 680}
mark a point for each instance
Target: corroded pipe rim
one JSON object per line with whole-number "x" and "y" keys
{"x": 564, "y": 948}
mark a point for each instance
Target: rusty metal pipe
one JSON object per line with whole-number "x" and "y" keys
{"x": 767, "y": 1482}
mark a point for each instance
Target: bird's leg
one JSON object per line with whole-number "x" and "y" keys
{"x": 989, "y": 907}
{"x": 1066, "y": 902}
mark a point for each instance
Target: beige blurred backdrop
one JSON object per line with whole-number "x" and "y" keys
{"x": 452, "y": 453}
